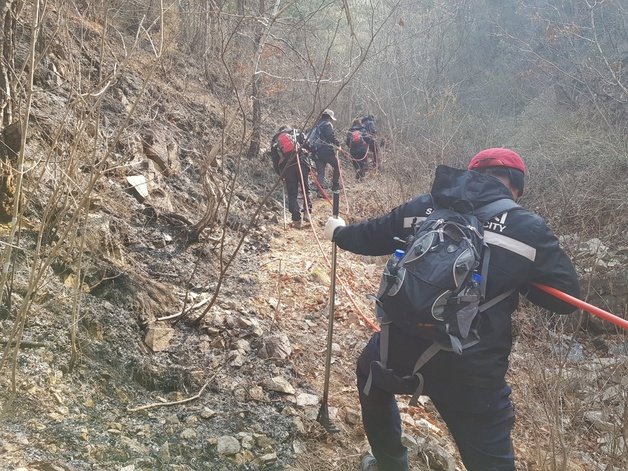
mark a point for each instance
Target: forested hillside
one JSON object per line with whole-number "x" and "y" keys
{"x": 156, "y": 309}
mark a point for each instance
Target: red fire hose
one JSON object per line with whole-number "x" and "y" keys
{"x": 580, "y": 304}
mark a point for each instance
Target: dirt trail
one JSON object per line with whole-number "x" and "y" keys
{"x": 297, "y": 279}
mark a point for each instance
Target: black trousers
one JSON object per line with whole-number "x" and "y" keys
{"x": 292, "y": 179}
{"x": 375, "y": 153}
{"x": 479, "y": 419}
{"x": 322, "y": 160}
{"x": 359, "y": 160}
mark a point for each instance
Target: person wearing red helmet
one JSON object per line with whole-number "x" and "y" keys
{"x": 502, "y": 163}
{"x": 469, "y": 390}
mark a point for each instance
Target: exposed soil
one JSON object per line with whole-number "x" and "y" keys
{"x": 84, "y": 420}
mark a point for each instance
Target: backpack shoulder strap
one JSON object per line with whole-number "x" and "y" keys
{"x": 490, "y": 210}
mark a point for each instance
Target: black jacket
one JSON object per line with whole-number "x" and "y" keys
{"x": 523, "y": 250}
{"x": 326, "y": 137}
{"x": 369, "y": 125}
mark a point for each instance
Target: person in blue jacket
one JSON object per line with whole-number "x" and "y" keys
{"x": 368, "y": 122}
{"x": 469, "y": 390}
{"x": 325, "y": 150}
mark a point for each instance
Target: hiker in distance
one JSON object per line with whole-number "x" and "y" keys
{"x": 358, "y": 142}
{"x": 323, "y": 143}
{"x": 466, "y": 382}
{"x": 291, "y": 162}
{"x": 368, "y": 123}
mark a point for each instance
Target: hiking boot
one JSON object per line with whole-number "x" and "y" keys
{"x": 369, "y": 463}
{"x": 296, "y": 224}
{"x": 306, "y": 217}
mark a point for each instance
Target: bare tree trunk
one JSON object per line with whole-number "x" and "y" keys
{"x": 256, "y": 87}
{"x": 10, "y": 136}
{"x": 7, "y": 16}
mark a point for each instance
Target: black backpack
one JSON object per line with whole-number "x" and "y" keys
{"x": 435, "y": 288}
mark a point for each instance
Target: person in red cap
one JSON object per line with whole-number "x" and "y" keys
{"x": 469, "y": 390}
{"x": 502, "y": 163}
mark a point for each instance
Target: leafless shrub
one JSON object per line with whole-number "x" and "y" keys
{"x": 61, "y": 179}
{"x": 567, "y": 400}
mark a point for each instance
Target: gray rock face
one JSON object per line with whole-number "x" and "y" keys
{"x": 279, "y": 384}
{"x": 227, "y": 445}
{"x": 276, "y": 346}
{"x": 435, "y": 456}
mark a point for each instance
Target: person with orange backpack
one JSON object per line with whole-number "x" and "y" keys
{"x": 358, "y": 141}
{"x": 291, "y": 163}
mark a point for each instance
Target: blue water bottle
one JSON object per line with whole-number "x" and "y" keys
{"x": 393, "y": 262}
{"x": 397, "y": 256}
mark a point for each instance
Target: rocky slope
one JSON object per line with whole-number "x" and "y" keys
{"x": 153, "y": 389}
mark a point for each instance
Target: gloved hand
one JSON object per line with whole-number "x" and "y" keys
{"x": 331, "y": 225}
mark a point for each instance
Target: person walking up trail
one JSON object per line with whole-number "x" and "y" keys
{"x": 291, "y": 163}
{"x": 458, "y": 355}
{"x": 358, "y": 142}
{"x": 324, "y": 147}
{"x": 368, "y": 123}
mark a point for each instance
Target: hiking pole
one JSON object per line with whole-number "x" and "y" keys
{"x": 580, "y": 304}
{"x": 323, "y": 412}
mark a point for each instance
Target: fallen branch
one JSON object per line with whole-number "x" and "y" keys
{"x": 174, "y": 403}
{"x": 174, "y": 316}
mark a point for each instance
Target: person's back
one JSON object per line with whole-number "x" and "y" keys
{"x": 327, "y": 141}
{"x": 469, "y": 390}
{"x": 292, "y": 166}
{"x": 283, "y": 147}
{"x": 368, "y": 122}
{"x": 521, "y": 247}
{"x": 326, "y": 150}
{"x": 357, "y": 140}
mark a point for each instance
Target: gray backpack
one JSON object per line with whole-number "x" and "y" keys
{"x": 435, "y": 288}
{"x": 312, "y": 140}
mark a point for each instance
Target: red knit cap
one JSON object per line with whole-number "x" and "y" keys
{"x": 497, "y": 157}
